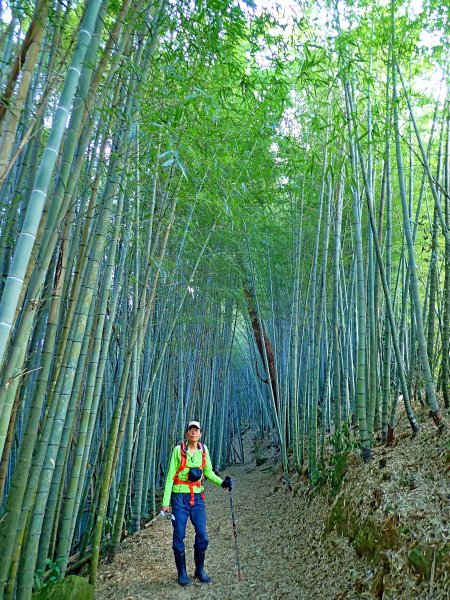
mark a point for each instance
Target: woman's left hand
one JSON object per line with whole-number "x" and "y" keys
{"x": 227, "y": 483}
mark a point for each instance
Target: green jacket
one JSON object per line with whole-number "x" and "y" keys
{"x": 191, "y": 461}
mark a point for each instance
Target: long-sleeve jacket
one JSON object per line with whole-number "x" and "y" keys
{"x": 191, "y": 461}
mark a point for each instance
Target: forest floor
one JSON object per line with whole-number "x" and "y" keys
{"x": 291, "y": 539}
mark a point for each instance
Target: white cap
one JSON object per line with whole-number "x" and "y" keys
{"x": 193, "y": 424}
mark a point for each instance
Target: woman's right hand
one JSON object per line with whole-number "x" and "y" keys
{"x": 166, "y": 508}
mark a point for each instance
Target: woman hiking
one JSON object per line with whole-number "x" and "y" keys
{"x": 183, "y": 492}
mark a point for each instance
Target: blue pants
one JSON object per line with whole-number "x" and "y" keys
{"x": 197, "y": 513}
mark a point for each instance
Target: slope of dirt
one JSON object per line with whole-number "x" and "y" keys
{"x": 289, "y": 547}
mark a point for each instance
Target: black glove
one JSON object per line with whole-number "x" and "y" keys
{"x": 227, "y": 483}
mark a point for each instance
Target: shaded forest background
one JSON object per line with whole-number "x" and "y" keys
{"x": 226, "y": 211}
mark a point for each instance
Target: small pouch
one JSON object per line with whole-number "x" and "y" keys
{"x": 195, "y": 474}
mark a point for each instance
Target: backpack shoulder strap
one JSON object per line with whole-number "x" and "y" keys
{"x": 183, "y": 458}
{"x": 202, "y": 447}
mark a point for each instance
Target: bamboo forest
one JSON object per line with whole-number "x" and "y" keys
{"x": 226, "y": 219}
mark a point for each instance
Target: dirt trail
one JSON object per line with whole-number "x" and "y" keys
{"x": 269, "y": 549}
{"x": 145, "y": 567}
{"x": 284, "y": 547}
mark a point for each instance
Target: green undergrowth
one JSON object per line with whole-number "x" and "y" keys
{"x": 330, "y": 475}
{"x": 70, "y": 588}
{"x": 261, "y": 451}
{"x": 47, "y": 575}
{"x": 428, "y": 558}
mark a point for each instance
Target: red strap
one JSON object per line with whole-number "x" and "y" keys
{"x": 191, "y": 484}
{"x": 183, "y": 454}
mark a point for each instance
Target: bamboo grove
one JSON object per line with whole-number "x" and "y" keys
{"x": 209, "y": 211}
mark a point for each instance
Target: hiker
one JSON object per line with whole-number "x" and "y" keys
{"x": 189, "y": 464}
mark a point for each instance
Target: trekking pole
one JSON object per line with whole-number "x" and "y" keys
{"x": 235, "y": 536}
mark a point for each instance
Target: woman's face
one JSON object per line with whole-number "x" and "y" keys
{"x": 193, "y": 434}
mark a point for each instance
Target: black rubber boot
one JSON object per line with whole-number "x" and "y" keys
{"x": 180, "y": 561}
{"x": 200, "y": 574}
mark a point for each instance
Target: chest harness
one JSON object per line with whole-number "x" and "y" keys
{"x": 198, "y": 481}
